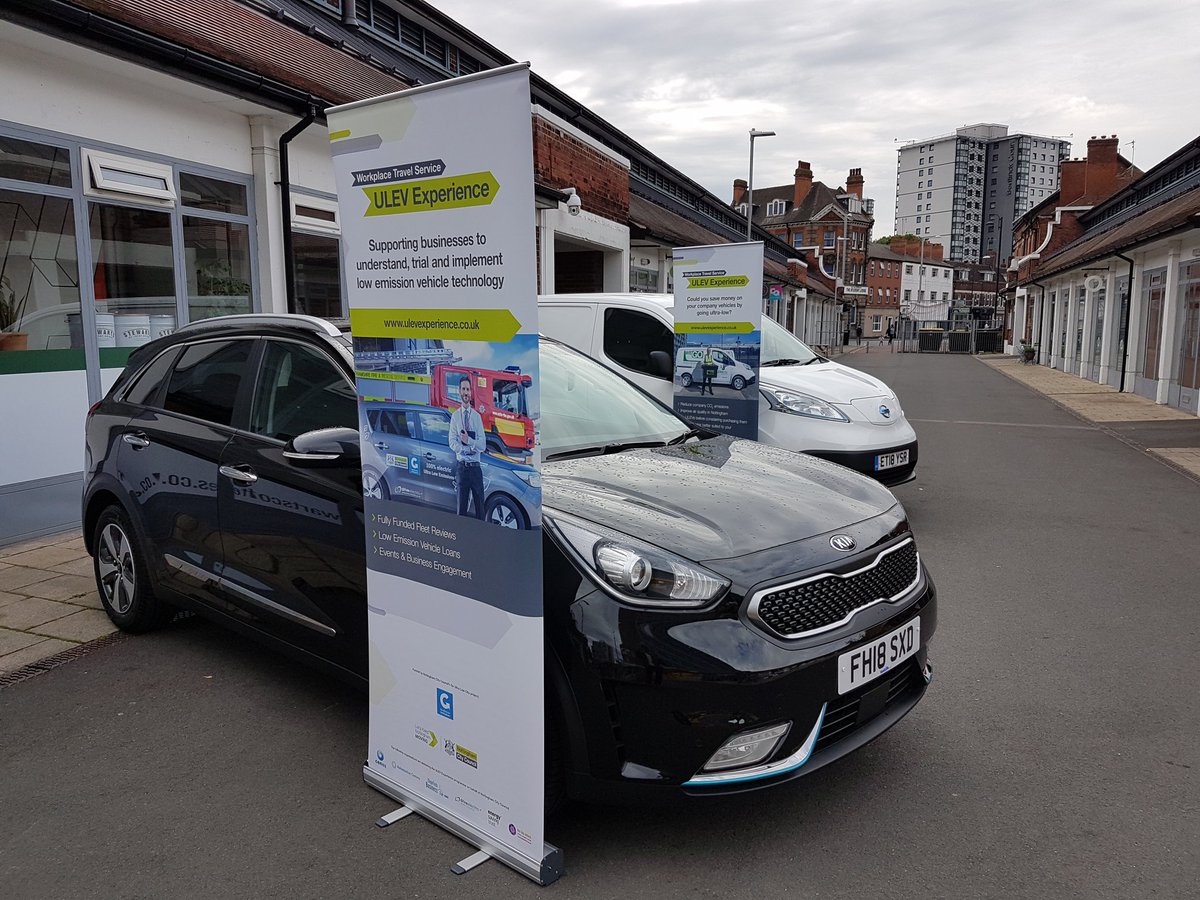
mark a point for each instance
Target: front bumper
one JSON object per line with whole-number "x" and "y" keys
{"x": 673, "y": 692}
{"x": 863, "y": 461}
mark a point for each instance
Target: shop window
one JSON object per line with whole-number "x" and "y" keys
{"x": 316, "y": 250}
{"x": 39, "y": 273}
{"x": 217, "y": 260}
{"x": 213, "y": 194}
{"x": 629, "y": 336}
{"x": 318, "y": 275}
{"x": 36, "y": 163}
{"x": 643, "y": 280}
{"x": 133, "y": 270}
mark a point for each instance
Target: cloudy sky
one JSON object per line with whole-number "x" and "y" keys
{"x": 841, "y": 82}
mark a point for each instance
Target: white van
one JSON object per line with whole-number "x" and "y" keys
{"x": 808, "y": 403}
{"x": 730, "y": 370}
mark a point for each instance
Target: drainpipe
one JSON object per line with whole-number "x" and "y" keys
{"x": 1125, "y": 318}
{"x": 285, "y": 205}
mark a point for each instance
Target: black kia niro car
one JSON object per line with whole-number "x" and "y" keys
{"x": 785, "y": 622}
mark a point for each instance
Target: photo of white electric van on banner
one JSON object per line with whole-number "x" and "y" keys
{"x": 448, "y": 424}
{"x": 717, "y": 364}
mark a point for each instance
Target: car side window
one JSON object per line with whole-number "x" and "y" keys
{"x": 629, "y": 336}
{"x": 394, "y": 421}
{"x": 206, "y": 379}
{"x": 147, "y": 387}
{"x": 435, "y": 428}
{"x": 300, "y": 389}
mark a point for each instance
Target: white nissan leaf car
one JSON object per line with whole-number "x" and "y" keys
{"x": 807, "y": 402}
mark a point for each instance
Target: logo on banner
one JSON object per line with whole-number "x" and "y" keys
{"x": 445, "y": 704}
{"x": 414, "y": 465}
{"x": 379, "y": 757}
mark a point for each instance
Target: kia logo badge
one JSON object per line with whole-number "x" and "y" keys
{"x": 842, "y": 542}
{"x": 884, "y": 411}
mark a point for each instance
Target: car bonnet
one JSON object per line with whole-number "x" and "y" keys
{"x": 713, "y": 499}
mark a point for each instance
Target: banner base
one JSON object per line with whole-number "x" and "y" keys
{"x": 548, "y": 871}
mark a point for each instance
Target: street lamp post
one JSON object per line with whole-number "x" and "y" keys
{"x": 750, "y": 179}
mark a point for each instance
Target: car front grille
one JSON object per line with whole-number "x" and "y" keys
{"x": 847, "y": 714}
{"x": 821, "y": 602}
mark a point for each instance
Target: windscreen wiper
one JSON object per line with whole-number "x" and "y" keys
{"x": 783, "y": 362}
{"x": 606, "y": 449}
{"x": 687, "y": 436}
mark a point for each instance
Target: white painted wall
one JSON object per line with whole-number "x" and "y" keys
{"x": 43, "y": 414}
{"x": 65, "y": 88}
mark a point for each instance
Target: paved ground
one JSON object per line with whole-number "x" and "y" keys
{"x": 48, "y": 600}
{"x": 1055, "y": 755}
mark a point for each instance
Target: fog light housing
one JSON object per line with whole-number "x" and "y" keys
{"x": 747, "y": 748}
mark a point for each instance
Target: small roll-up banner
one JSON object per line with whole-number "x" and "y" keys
{"x": 718, "y": 336}
{"x": 435, "y": 189}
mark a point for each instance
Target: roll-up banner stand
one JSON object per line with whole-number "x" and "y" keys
{"x": 718, "y": 336}
{"x": 435, "y": 188}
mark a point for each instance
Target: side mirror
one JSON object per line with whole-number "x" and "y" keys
{"x": 324, "y": 447}
{"x": 660, "y": 364}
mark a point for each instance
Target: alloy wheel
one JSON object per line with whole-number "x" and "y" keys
{"x": 114, "y": 561}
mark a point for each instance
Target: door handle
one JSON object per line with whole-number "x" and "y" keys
{"x": 430, "y": 456}
{"x": 135, "y": 440}
{"x": 381, "y": 446}
{"x": 242, "y": 474}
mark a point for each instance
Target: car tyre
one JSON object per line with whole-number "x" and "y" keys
{"x": 685, "y": 379}
{"x": 121, "y": 576}
{"x": 738, "y": 382}
{"x": 506, "y": 512}
{"x": 374, "y": 485}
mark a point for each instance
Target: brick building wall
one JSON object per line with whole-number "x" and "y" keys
{"x": 561, "y": 160}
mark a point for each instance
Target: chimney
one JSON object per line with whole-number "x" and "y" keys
{"x": 1102, "y": 168}
{"x": 803, "y": 183}
{"x": 854, "y": 184}
{"x": 1072, "y": 180}
{"x": 739, "y": 191}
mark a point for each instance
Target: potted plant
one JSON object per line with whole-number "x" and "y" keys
{"x": 12, "y": 311}
{"x": 1028, "y": 351}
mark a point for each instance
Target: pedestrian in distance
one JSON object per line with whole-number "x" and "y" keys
{"x": 891, "y": 335}
{"x": 468, "y": 443}
{"x": 858, "y": 334}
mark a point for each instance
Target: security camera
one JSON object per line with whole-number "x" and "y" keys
{"x": 574, "y": 204}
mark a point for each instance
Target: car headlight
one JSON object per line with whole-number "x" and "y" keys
{"x": 635, "y": 571}
{"x": 800, "y": 404}
{"x": 533, "y": 479}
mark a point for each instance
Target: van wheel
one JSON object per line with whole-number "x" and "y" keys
{"x": 505, "y": 512}
{"x": 738, "y": 382}
{"x": 121, "y": 576}
{"x": 685, "y": 379}
{"x": 374, "y": 486}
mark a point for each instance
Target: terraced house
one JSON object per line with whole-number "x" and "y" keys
{"x": 1106, "y": 274}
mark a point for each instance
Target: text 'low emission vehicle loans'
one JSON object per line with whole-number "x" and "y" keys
{"x": 807, "y": 403}
{"x": 719, "y": 614}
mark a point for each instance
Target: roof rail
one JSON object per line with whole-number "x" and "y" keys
{"x": 296, "y": 320}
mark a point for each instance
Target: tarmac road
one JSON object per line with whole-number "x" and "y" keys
{"x": 1055, "y": 754}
